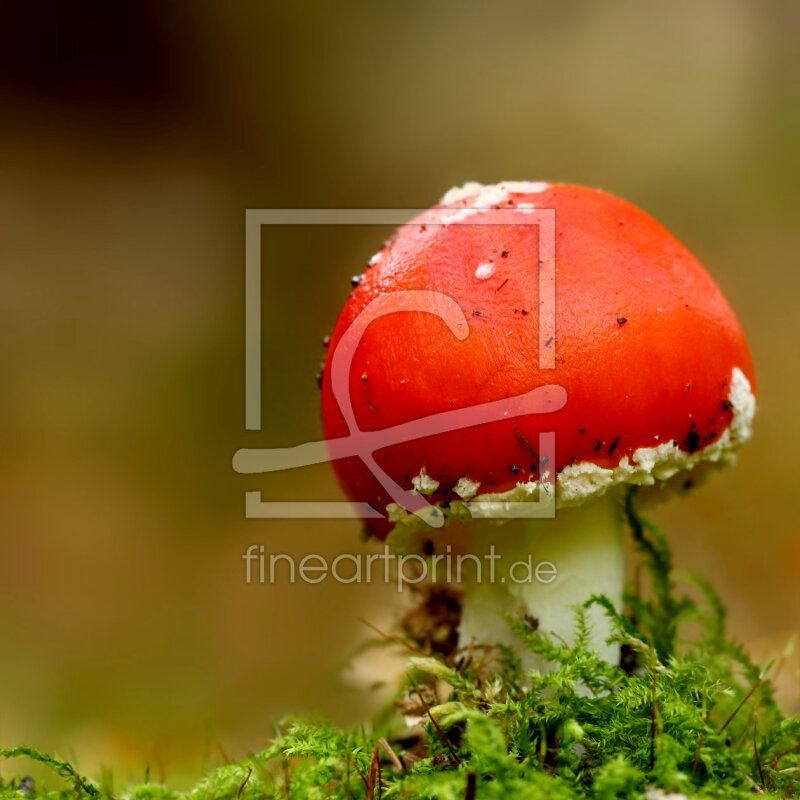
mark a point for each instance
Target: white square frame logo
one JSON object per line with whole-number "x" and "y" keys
{"x": 264, "y": 460}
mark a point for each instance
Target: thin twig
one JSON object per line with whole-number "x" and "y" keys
{"x": 786, "y": 753}
{"x": 395, "y": 639}
{"x": 755, "y": 748}
{"x": 244, "y": 783}
{"x": 560, "y": 639}
{"x": 472, "y": 786}
{"x": 373, "y": 773}
{"x": 287, "y": 777}
{"x": 653, "y": 725}
{"x": 739, "y": 707}
{"x": 221, "y": 749}
{"x": 438, "y": 729}
{"x": 697, "y": 754}
{"x": 361, "y": 775}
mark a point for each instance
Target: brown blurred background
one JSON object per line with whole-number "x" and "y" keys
{"x": 135, "y": 134}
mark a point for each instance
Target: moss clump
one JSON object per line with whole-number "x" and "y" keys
{"x": 687, "y": 714}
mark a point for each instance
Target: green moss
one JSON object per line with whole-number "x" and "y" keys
{"x": 690, "y": 714}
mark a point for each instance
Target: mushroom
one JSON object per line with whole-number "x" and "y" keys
{"x": 656, "y": 374}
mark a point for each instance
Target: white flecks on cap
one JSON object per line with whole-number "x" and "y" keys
{"x": 375, "y": 259}
{"x": 483, "y": 197}
{"x": 458, "y": 193}
{"x": 424, "y": 484}
{"x": 489, "y": 505}
{"x": 484, "y": 271}
{"x": 466, "y": 488}
{"x": 583, "y": 481}
{"x": 578, "y": 482}
{"x": 743, "y": 402}
{"x": 487, "y": 197}
{"x": 525, "y": 187}
{"x": 473, "y": 188}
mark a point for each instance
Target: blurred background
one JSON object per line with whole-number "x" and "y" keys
{"x": 135, "y": 134}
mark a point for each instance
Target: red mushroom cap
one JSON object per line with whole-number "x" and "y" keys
{"x": 656, "y": 369}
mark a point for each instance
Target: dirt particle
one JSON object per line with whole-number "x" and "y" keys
{"x": 621, "y": 321}
{"x": 613, "y": 446}
{"x": 628, "y": 659}
{"x": 531, "y": 622}
{"x": 692, "y": 441}
{"x": 432, "y": 622}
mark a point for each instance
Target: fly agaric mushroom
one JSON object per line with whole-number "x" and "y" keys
{"x": 656, "y": 370}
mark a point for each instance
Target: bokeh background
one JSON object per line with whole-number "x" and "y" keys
{"x": 135, "y": 134}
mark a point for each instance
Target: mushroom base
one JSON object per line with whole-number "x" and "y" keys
{"x": 543, "y": 570}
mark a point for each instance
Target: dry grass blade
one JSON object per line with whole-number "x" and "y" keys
{"x": 392, "y": 755}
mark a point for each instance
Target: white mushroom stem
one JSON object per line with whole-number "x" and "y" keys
{"x": 585, "y": 545}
